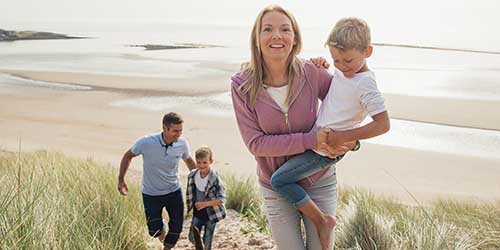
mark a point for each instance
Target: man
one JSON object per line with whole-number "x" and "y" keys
{"x": 161, "y": 153}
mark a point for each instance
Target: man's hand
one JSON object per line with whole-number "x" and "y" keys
{"x": 320, "y": 62}
{"x": 122, "y": 188}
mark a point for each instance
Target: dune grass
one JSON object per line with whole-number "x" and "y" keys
{"x": 366, "y": 221}
{"x": 243, "y": 196}
{"x": 48, "y": 201}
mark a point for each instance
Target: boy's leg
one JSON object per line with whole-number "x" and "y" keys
{"x": 195, "y": 222}
{"x": 324, "y": 195}
{"x": 175, "y": 209}
{"x": 153, "y": 207}
{"x": 208, "y": 235}
{"x": 298, "y": 167}
{"x": 284, "y": 181}
{"x": 194, "y": 233}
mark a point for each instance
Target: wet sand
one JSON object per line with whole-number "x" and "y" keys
{"x": 84, "y": 124}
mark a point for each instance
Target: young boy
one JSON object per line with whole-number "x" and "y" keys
{"x": 352, "y": 96}
{"x": 205, "y": 195}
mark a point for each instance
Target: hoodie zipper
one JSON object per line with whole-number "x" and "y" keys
{"x": 287, "y": 122}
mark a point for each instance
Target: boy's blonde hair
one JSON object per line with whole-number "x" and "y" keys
{"x": 349, "y": 33}
{"x": 203, "y": 152}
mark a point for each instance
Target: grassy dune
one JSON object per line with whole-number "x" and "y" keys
{"x": 49, "y": 201}
{"x": 366, "y": 221}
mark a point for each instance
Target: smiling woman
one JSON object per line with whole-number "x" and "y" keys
{"x": 275, "y": 99}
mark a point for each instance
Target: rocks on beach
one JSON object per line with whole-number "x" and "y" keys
{"x": 11, "y": 35}
{"x": 175, "y": 46}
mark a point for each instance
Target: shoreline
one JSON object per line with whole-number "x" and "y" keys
{"x": 444, "y": 110}
{"x": 83, "y": 124}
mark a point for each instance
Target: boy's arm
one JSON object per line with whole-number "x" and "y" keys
{"x": 379, "y": 125}
{"x": 221, "y": 197}
{"x": 211, "y": 203}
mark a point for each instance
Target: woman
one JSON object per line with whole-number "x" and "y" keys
{"x": 275, "y": 98}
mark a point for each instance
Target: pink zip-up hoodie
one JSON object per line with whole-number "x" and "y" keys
{"x": 273, "y": 136}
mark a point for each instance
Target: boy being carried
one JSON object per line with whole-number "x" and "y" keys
{"x": 352, "y": 96}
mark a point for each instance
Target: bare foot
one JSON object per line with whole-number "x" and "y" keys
{"x": 325, "y": 231}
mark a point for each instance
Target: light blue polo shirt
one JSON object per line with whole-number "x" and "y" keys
{"x": 160, "y": 174}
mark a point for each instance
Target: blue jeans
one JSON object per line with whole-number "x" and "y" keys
{"x": 284, "y": 179}
{"x": 173, "y": 203}
{"x": 208, "y": 235}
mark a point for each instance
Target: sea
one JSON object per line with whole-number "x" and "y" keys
{"x": 439, "y": 66}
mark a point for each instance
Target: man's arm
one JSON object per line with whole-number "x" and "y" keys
{"x": 190, "y": 163}
{"x": 124, "y": 165}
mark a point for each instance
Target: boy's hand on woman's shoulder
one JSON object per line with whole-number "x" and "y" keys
{"x": 320, "y": 62}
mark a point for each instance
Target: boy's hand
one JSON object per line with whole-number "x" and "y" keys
{"x": 320, "y": 62}
{"x": 200, "y": 205}
{"x": 334, "y": 145}
{"x": 334, "y": 139}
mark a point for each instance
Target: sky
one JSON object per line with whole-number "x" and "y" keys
{"x": 467, "y": 20}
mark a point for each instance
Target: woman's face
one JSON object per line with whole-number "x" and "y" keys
{"x": 276, "y": 37}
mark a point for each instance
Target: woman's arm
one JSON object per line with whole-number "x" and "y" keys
{"x": 260, "y": 144}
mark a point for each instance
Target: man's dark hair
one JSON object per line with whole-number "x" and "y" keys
{"x": 172, "y": 118}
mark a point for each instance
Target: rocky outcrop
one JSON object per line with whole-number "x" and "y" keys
{"x": 10, "y": 35}
{"x": 175, "y": 46}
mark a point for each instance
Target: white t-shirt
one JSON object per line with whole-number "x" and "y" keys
{"x": 279, "y": 96}
{"x": 349, "y": 101}
{"x": 199, "y": 182}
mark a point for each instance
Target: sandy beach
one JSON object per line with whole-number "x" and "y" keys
{"x": 85, "y": 124}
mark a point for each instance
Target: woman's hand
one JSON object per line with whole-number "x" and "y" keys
{"x": 322, "y": 144}
{"x": 320, "y": 62}
{"x": 321, "y": 137}
{"x": 333, "y": 152}
{"x": 331, "y": 143}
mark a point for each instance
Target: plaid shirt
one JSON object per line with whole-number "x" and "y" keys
{"x": 213, "y": 191}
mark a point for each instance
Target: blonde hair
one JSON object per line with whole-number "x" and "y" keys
{"x": 349, "y": 33}
{"x": 255, "y": 68}
{"x": 203, "y": 152}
